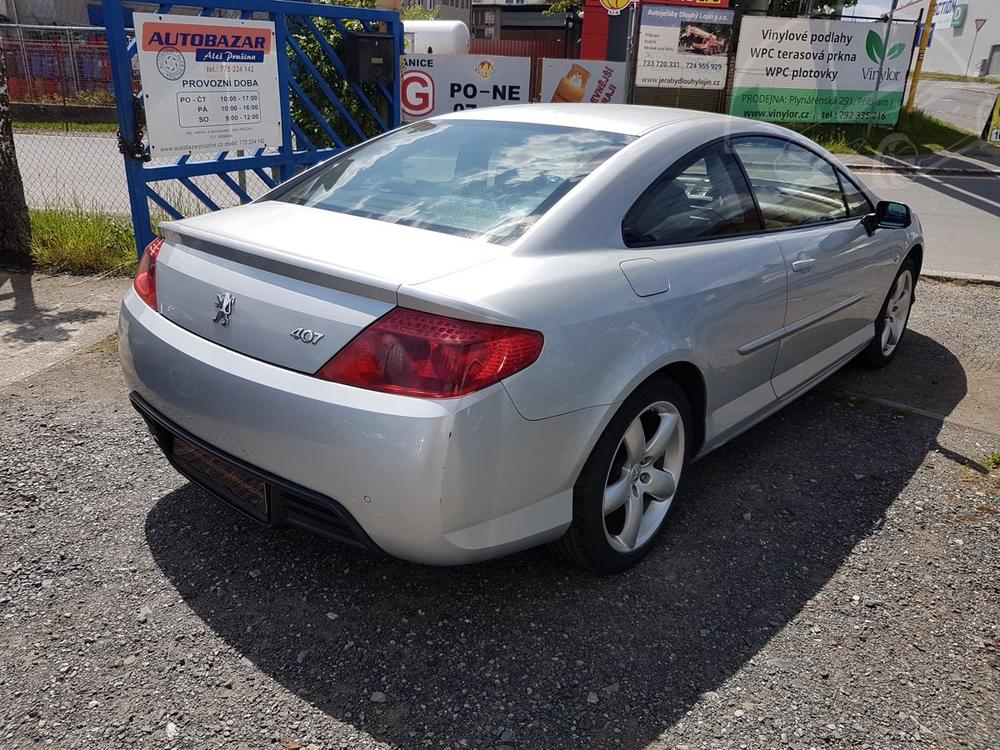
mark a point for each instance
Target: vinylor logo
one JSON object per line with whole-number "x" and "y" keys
{"x": 875, "y": 48}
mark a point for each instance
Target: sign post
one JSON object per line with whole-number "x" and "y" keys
{"x": 925, "y": 39}
{"x": 980, "y": 22}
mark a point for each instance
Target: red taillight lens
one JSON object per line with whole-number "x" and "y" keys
{"x": 418, "y": 354}
{"x": 145, "y": 279}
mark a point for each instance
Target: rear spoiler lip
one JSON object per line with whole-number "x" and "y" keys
{"x": 330, "y": 276}
{"x": 275, "y": 261}
{"x": 416, "y": 298}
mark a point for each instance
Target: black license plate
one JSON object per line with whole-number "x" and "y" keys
{"x": 241, "y": 488}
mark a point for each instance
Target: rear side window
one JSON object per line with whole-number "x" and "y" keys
{"x": 707, "y": 199}
{"x": 472, "y": 178}
{"x": 857, "y": 204}
{"x": 793, "y": 186}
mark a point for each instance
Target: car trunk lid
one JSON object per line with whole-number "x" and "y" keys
{"x": 292, "y": 285}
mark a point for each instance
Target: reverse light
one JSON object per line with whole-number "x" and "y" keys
{"x": 145, "y": 278}
{"x": 432, "y": 356}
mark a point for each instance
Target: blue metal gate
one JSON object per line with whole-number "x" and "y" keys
{"x": 321, "y": 111}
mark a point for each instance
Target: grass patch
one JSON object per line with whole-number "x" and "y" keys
{"x": 54, "y": 126}
{"x": 916, "y": 133}
{"x": 72, "y": 241}
{"x": 992, "y": 461}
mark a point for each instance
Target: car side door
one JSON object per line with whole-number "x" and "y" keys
{"x": 835, "y": 266}
{"x": 727, "y": 280}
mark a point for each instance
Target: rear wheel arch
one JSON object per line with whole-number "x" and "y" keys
{"x": 690, "y": 378}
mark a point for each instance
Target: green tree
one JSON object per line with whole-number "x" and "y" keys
{"x": 15, "y": 228}
{"x": 574, "y": 7}
{"x": 314, "y": 49}
{"x": 416, "y": 12}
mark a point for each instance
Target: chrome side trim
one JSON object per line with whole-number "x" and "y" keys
{"x": 769, "y": 338}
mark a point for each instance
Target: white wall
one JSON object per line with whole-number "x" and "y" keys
{"x": 950, "y": 48}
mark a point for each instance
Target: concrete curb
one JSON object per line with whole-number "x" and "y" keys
{"x": 970, "y": 278}
{"x": 926, "y": 171}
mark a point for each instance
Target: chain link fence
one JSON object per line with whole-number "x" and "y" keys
{"x": 64, "y": 118}
{"x": 65, "y": 126}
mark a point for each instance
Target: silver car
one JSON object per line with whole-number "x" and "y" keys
{"x": 513, "y": 326}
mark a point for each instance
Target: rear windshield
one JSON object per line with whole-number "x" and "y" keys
{"x": 487, "y": 180}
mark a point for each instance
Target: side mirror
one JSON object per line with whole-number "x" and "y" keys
{"x": 888, "y": 215}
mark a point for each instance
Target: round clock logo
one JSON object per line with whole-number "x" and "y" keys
{"x": 170, "y": 63}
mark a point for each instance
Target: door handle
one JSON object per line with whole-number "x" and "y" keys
{"x": 803, "y": 264}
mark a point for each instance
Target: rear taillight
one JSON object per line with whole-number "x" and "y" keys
{"x": 145, "y": 279}
{"x": 418, "y": 354}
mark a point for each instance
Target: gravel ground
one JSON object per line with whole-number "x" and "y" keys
{"x": 829, "y": 580}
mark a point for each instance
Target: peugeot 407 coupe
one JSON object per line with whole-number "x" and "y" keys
{"x": 508, "y": 327}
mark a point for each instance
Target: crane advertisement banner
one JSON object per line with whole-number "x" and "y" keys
{"x": 801, "y": 70}
{"x": 684, "y": 48}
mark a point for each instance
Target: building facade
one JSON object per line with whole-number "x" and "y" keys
{"x": 957, "y": 45}
{"x": 523, "y": 20}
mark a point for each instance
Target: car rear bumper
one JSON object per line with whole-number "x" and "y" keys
{"x": 433, "y": 481}
{"x": 285, "y": 503}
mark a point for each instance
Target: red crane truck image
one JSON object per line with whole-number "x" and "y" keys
{"x": 695, "y": 39}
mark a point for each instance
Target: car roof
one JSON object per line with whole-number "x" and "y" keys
{"x": 628, "y": 119}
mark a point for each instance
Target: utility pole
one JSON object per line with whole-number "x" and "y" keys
{"x": 15, "y": 228}
{"x": 925, "y": 37}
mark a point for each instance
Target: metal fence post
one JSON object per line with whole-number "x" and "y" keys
{"x": 72, "y": 61}
{"x": 24, "y": 58}
{"x": 287, "y": 147}
{"x": 121, "y": 73}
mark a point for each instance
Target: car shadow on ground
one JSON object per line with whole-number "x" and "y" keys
{"x": 560, "y": 657}
{"x": 26, "y": 321}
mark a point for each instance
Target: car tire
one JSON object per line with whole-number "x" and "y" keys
{"x": 890, "y": 325}
{"x": 628, "y": 486}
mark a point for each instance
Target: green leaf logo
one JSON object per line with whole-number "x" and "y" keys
{"x": 874, "y": 47}
{"x": 896, "y": 50}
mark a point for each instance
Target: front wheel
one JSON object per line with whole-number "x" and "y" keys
{"x": 628, "y": 485}
{"x": 892, "y": 318}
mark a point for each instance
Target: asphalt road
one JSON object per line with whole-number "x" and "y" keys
{"x": 965, "y": 105}
{"x": 960, "y": 218}
{"x": 62, "y": 170}
{"x": 827, "y": 580}
{"x": 84, "y": 170}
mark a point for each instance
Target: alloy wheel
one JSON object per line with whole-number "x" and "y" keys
{"x": 643, "y": 477}
{"x": 897, "y": 311}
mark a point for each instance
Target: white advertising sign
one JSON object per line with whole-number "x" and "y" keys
{"x": 438, "y": 84}
{"x": 683, "y": 48}
{"x": 801, "y": 70}
{"x": 209, "y": 84}
{"x": 595, "y": 81}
